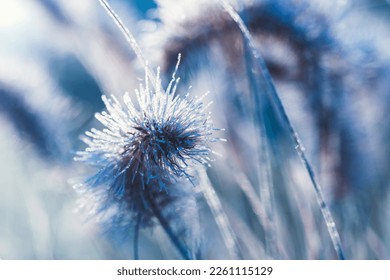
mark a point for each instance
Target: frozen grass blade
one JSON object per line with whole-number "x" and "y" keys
{"x": 130, "y": 38}
{"x": 220, "y": 216}
{"x": 271, "y": 91}
{"x": 263, "y": 165}
{"x": 271, "y": 247}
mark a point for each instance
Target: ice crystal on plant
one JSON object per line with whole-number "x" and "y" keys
{"x": 146, "y": 148}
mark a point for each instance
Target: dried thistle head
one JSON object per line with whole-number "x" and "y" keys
{"x": 146, "y": 148}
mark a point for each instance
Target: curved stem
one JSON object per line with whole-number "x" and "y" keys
{"x": 273, "y": 95}
{"x": 131, "y": 40}
{"x": 163, "y": 222}
{"x": 263, "y": 166}
{"x": 221, "y": 219}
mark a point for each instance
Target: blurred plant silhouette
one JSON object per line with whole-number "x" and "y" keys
{"x": 275, "y": 70}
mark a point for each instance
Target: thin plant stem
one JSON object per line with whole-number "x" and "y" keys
{"x": 220, "y": 216}
{"x": 165, "y": 225}
{"x": 136, "y": 238}
{"x": 260, "y": 212}
{"x": 271, "y": 91}
{"x": 264, "y": 168}
{"x": 131, "y": 40}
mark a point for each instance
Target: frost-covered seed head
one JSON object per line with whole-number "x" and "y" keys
{"x": 146, "y": 147}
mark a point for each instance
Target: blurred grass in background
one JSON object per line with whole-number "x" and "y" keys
{"x": 330, "y": 64}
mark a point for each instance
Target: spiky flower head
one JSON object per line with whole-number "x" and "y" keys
{"x": 145, "y": 148}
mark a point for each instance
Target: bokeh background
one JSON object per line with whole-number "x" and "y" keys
{"x": 329, "y": 60}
